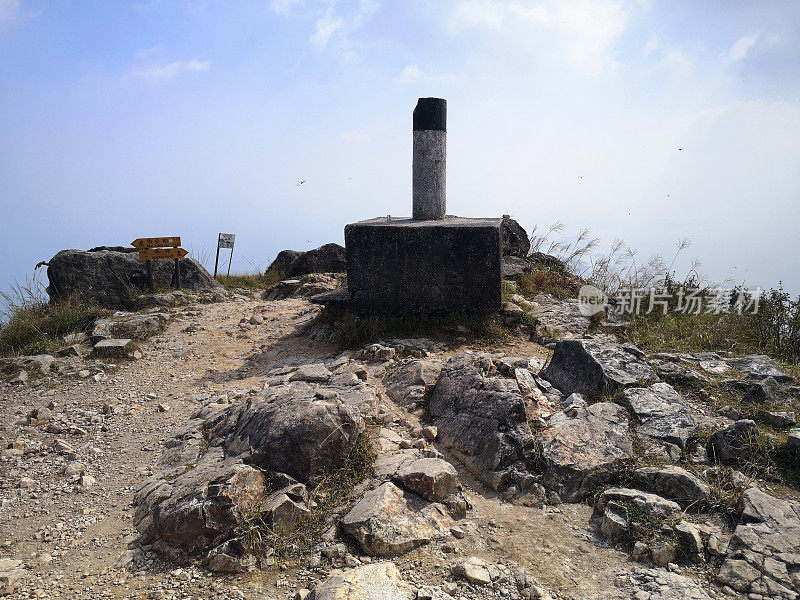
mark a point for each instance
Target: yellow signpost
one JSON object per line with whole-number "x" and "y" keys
{"x": 158, "y": 248}
{"x": 159, "y": 253}
{"x": 160, "y": 242}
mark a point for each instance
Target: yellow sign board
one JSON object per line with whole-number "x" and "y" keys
{"x": 159, "y": 242}
{"x": 158, "y": 253}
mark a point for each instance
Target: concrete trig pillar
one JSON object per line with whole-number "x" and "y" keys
{"x": 430, "y": 159}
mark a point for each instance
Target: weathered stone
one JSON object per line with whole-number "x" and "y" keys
{"x": 764, "y": 553}
{"x": 793, "y": 440}
{"x": 368, "y": 582}
{"x": 136, "y": 326}
{"x": 661, "y": 413}
{"x": 664, "y": 552}
{"x": 407, "y": 266}
{"x": 780, "y": 419}
{"x": 651, "y": 504}
{"x": 690, "y": 540}
{"x": 11, "y": 572}
{"x": 411, "y": 381}
{"x": 596, "y": 369}
{"x": 284, "y": 261}
{"x": 515, "y": 238}
{"x": 282, "y": 512}
{"x": 313, "y": 372}
{"x": 474, "y": 570}
{"x": 111, "y": 276}
{"x": 432, "y": 478}
{"x": 732, "y": 443}
{"x": 329, "y": 258}
{"x": 388, "y": 522}
{"x": 112, "y": 348}
{"x": 766, "y": 390}
{"x": 201, "y": 492}
{"x": 557, "y": 318}
{"x": 615, "y": 523}
{"x": 760, "y": 366}
{"x": 481, "y": 419}
{"x": 674, "y": 483}
{"x": 304, "y": 286}
{"x": 584, "y": 446}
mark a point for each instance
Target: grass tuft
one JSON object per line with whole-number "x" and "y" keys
{"x": 254, "y": 281}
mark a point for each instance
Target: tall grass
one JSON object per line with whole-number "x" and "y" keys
{"x": 29, "y": 324}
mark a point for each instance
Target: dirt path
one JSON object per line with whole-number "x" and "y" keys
{"x": 75, "y": 539}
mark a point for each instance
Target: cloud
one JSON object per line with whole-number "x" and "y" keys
{"x": 413, "y": 74}
{"x": 742, "y": 46}
{"x": 9, "y": 9}
{"x": 164, "y": 71}
{"x": 283, "y": 7}
{"x": 355, "y": 136}
{"x": 327, "y": 26}
{"x": 582, "y": 33}
{"x": 668, "y": 57}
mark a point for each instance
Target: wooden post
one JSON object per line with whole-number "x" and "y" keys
{"x": 230, "y": 260}
{"x": 216, "y": 262}
{"x": 149, "y": 266}
{"x": 178, "y": 273}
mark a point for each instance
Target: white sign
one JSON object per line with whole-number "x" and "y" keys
{"x": 226, "y": 240}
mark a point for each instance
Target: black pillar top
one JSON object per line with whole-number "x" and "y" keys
{"x": 430, "y": 114}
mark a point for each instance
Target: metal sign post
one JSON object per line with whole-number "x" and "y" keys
{"x": 225, "y": 240}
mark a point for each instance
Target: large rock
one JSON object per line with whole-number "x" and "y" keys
{"x": 731, "y": 444}
{"x": 409, "y": 382}
{"x": 284, "y": 260}
{"x": 112, "y": 277}
{"x": 661, "y": 413}
{"x": 304, "y": 286}
{"x": 481, "y": 419}
{"x": 558, "y": 319}
{"x": 329, "y": 258}
{"x": 597, "y": 369}
{"x": 763, "y": 556}
{"x": 432, "y": 478}
{"x": 674, "y": 483}
{"x": 651, "y": 504}
{"x": 760, "y": 366}
{"x": 388, "y": 521}
{"x": 585, "y": 446}
{"x": 368, "y": 582}
{"x": 132, "y": 326}
{"x": 212, "y": 476}
{"x": 514, "y": 238}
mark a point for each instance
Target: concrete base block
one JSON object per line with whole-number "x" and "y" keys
{"x": 406, "y": 266}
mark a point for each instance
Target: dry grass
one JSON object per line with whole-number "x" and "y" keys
{"x": 31, "y": 325}
{"x": 253, "y": 281}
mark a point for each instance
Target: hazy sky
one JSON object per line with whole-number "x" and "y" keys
{"x": 170, "y": 117}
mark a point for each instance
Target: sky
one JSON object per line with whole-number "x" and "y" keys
{"x": 642, "y": 120}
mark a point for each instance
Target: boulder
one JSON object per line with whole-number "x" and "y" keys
{"x": 388, "y": 522}
{"x": 368, "y": 582}
{"x": 304, "y": 286}
{"x": 793, "y": 441}
{"x": 284, "y": 260}
{"x": 597, "y": 369}
{"x": 766, "y": 390}
{"x": 760, "y": 366}
{"x": 674, "y": 483}
{"x": 131, "y": 326}
{"x": 11, "y": 572}
{"x": 514, "y": 238}
{"x": 212, "y": 474}
{"x": 650, "y": 504}
{"x": 763, "y": 555}
{"x": 661, "y": 413}
{"x": 481, "y": 419}
{"x": 112, "y": 277}
{"x": 409, "y": 382}
{"x": 730, "y": 444}
{"x": 779, "y": 419}
{"x": 558, "y": 319}
{"x": 329, "y": 258}
{"x": 114, "y": 348}
{"x": 583, "y": 447}
{"x": 432, "y": 478}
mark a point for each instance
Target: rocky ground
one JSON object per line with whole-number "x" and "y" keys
{"x": 509, "y": 471}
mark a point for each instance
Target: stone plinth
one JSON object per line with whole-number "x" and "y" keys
{"x": 407, "y": 266}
